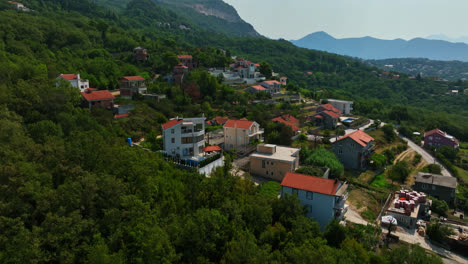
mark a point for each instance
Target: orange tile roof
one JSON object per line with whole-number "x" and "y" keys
{"x": 133, "y": 78}
{"x": 258, "y": 87}
{"x": 331, "y": 108}
{"x": 172, "y": 123}
{"x": 361, "y": 137}
{"x": 244, "y": 124}
{"x": 310, "y": 183}
{"x": 271, "y": 82}
{"x": 184, "y": 56}
{"x": 288, "y": 120}
{"x": 211, "y": 148}
{"x": 69, "y": 77}
{"x": 331, "y": 113}
{"x": 97, "y": 95}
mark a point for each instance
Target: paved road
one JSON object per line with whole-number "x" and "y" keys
{"x": 426, "y": 156}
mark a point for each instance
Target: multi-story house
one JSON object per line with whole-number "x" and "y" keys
{"x": 131, "y": 86}
{"x": 140, "y": 54}
{"x": 238, "y": 134}
{"x": 326, "y": 119}
{"x": 283, "y": 80}
{"x": 344, "y": 106}
{"x": 437, "y": 138}
{"x": 74, "y": 80}
{"x": 273, "y": 162}
{"x": 272, "y": 87}
{"x": 179, "y": 74}
{"x": 328, "y": 107}
{"x": 323, "y": 198}
{"x": 93, "y": 98}
{"x": 354, "y": 150}
{"x": 186, "y": 60}
{"x": 438, "y": 186}
{"x": 184, "y": 137}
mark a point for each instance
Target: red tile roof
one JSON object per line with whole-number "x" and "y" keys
{"x": 288, "y": 120}
{"x": 360, "y": 137}
{"x": 97, "y": 95}
{"x": 434, "y": 131}
{"x": 331, "y": 113}
{"x": 69, "y": 76}
{"x": 258, "y": 87}
{"x": 211, "y": 148}
{"x": 243, "y": 123}
{"x": 271, "y": 82}
{"x": 310, "y": 183}
{"x": 331, "y": 108}
{"x": 133, "y": 78}
{"x": 121, "y": 115}
{"x": 221, "y": 120}
{"x": 318, "y": 116}
{"x": 172, "y": 123}
{"x": 184, "y": 56}
{"x": 283, "y": 78}
{"x": 91, "y": 89}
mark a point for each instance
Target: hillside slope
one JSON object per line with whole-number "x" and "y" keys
{"x": 373, "y": 48}
{"x": 212, "y": 15}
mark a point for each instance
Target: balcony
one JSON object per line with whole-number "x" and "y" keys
{"x": 259, "y": 132}
{"x": 339, "y": 213}
{"x": 194, "y": 132}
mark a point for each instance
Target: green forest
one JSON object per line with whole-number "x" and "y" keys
{"x": 74, "y": 192}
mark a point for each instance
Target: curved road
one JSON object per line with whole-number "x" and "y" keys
{"x": 425, "y": 155}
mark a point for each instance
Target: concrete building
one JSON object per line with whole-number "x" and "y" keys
{"x": 238, "y": 134}
{"x": 344, "y": 106}
{"x": 326, "y": 119}
{"x": 407, "y": 207}
{"x": 130, "y": 86}
{"x": 435, "y": 185}
{"x": 283, "y": 80}
{"x": 74, "y": 80}
{"x": 437, "y": 138}
{"x": 354, "y": 150}
{"x": 323, "y": 198}
{"x": 272, "y": 87}
{"x": 140, "y": 54}
{"x": 184, "y": 137}
{"x": 273, "y": 162}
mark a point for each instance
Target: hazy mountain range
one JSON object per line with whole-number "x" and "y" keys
{"x": 450, "y": 39}
{"x": 373, "y": 48}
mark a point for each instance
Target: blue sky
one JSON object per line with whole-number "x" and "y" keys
{"x": 387, "y": 19}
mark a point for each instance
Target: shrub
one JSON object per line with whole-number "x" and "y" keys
{"x": 439, "y": 232}
{"x": 416, "y": 159}
{"x": 439, "y": 207}
{"x": 432, "y": 168}
{"x": 379, "y": 160}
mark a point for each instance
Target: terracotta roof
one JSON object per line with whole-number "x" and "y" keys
{"x": 310, "y": 183}
{"x": 184, "y": 56}
{"x": 258, "y": 87}
{"x": 241, "y": 67}
{"x": 221, "y": 120}
{"x": 359, "y": 136}
{"x": 434, "y": 131}
{"x": 133, "y": 78}
{"x": 318, "y": 116}
{"x": 271, "y": 82}
{"x": 69, "y": 76}
{"x": 97, "y": 95}
{"x": 244, "y": 124}
{"x": 288, "y": 120}
{"x": 283, "y": 77}
{"x": 331, "y": 113}
{"x": 331, "y": 108}
{"x": 180, "y": 66}
{"x": 172, "y": 123}
{"x": 211, "y": 148}
{"x": 121, "y": 115}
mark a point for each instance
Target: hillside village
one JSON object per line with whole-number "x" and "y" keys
{"x": 356, "y": 150}
{"x": 168, "y": 151}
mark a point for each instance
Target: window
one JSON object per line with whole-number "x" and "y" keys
{"x": 309, "y": 208}
{"x": 295, "y": 191}
{"x": 340, "y": 151}
{"x": 310, "y": 195}
{"x": 266, "y": 172}
{"x": 172, "y": 131}
{"x": 263, "y": 164}
{"x": 433, "y": 187}
{"x": 424, "y": 186}
{"x": 172, "y": 140}
{"x": 271, "y": 162}
{"x": 430, "y": 138}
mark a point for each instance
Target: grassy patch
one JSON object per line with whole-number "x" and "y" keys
{"x": 462, "y": 173}
{"x": 380, "y": 181}
{"x": 270, "y": 189}
{"x": 369, "y": 215}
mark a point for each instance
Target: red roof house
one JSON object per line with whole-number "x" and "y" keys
{"x": 94, "y": 99}
{"x": 329, "y": 107}
{"x": 354, "y": 150}
{"x": 172, "y": 123}
{"x": 437, "y": 138}
{"x": 288, "y": 120}
{"x": 130, "y": 86}
{"x": 310, "y": 183}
